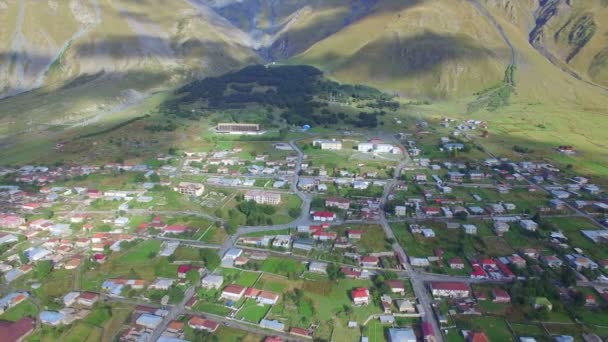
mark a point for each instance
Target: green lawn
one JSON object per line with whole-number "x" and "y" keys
{"x": 253, "y": 312}
{"x": 270, "y": 232}
{"x": 82, "y": 332}
{"x": 23, "y": 309}
{"x": 273, "y": 283}
{"x": 532, "y": 330}
{"x": 141, "y": 252}
{"x": 376, "y": 332}
{"x": 283, "y": 266}
{"x": 235, "y": 275}
{"x": 212, "y": 308}
{"x": 496, "y": 328}
{"x": 247, "y": 278}
{"x": 99, "y": 315}
{"x": 372, "y": 240}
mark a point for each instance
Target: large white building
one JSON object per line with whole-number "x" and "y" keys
{"x": 263, "y": 197}
{"x": 450, "y": 289}
{"x": 190, "y": 189}
{"x": 326, "y": 144}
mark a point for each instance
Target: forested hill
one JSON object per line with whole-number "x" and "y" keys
{"x": 301, "y": 93}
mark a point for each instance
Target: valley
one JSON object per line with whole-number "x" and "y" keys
{"x": 303, "y": 170}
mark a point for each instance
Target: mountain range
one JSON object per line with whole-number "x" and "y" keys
{"x": 68, "y": 64}
{"x": 428, "y": 48}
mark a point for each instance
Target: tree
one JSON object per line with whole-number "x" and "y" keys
{"x": 139, "y": 177}
{"x": 43, "y": 268}
{"x": 294, "y": 212}
{"x": 23, "y": 258}
{"x": 175, "y": 295}
{"x": 48, "y": 214}
{"x": 193, "y": 276}
{"x": 333, "y": 272}
{"x": 152, "y": 255}
{"x": 568, "y": 276}
{"x": 154, "y": 178}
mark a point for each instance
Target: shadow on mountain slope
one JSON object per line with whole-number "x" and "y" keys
{"x": 417, "y": 57}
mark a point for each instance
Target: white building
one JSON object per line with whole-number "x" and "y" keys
{"x": 190, "y": 189}
{"x": 529, "y": 225}
{"x": 326, "y": 144}
{"x": 263, "y": 197}
{"x": 212, "y": 281}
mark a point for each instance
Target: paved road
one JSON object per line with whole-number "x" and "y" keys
{"x": 416, "y": 280}
{"x": 175, "y": 312}
{"x": 303, "y": 220}
{"x": 193, "y": 243}
{"x": 428, "y": 277}
{"x": 146, "y": 211}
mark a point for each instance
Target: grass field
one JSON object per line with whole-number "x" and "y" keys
{"x": 376, "y": 332}
{"x": 140, "y": 253}
{"x": 243, "y": 278}
{"x": 134, "y": 263}
{"x": 212, "y": 308}
{"x": 273, "y": 283}
{"x": 283, "y": 266}
{"x": 496, "y": 328}
{"x": 372, "y": 240}
{"x": 23, "y": 309}
{"x": 82, "y": 332}
{"x": 252, "y": 311}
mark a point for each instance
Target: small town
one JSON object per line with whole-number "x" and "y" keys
{"x": 415, "y": 236}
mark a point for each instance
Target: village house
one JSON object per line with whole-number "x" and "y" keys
{"x": 281, "y": 241}
{"x": 198, "y": 323}
{"x": 500, "y": 227}
{"x": 323, "y": 216}
{"x": 456, "y": 263}
{"x": 354, "y": 233}
{"x": 340, "y": 203}
{"x": 360, "y": 296}
{"x": 500, "y": 296}
{"x": 190, "y": 189}
{"x": 327, "y": 144}
{"x": 369, "y": 261}
{"x": 162, "y": 284}
{"x": 317, "y": 267}
{"x": 551, "y": 261}
{"x": 528, "y": 225}
{"x": 233, "y": 292}
{"x": 324, "y": 236}
{"x": 470, "y": 229}
{"x": 450, "y": 289}
{"x": 396, "y": 286}
{"x": 212, "y": 281}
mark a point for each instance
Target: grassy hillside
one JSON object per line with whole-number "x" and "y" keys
{"x": 415, "y": 48}
{"x": 576, "y": 35}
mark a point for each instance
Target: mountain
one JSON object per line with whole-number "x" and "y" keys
{"x": 417, "y": 48}
{"x": 49, "y": 42}
{"x": 528, "y": 66}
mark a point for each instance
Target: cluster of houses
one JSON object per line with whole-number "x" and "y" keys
{"x": 231, "y": 163}
{"x": 158, "y": 227}
{"x": 319, "y": 184}
{"x": 376, "y": 145}
{"x": 145, "y": 320}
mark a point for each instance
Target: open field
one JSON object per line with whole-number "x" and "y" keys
{"x": 283, "y": 266}
{"x": 252, "y": 311}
